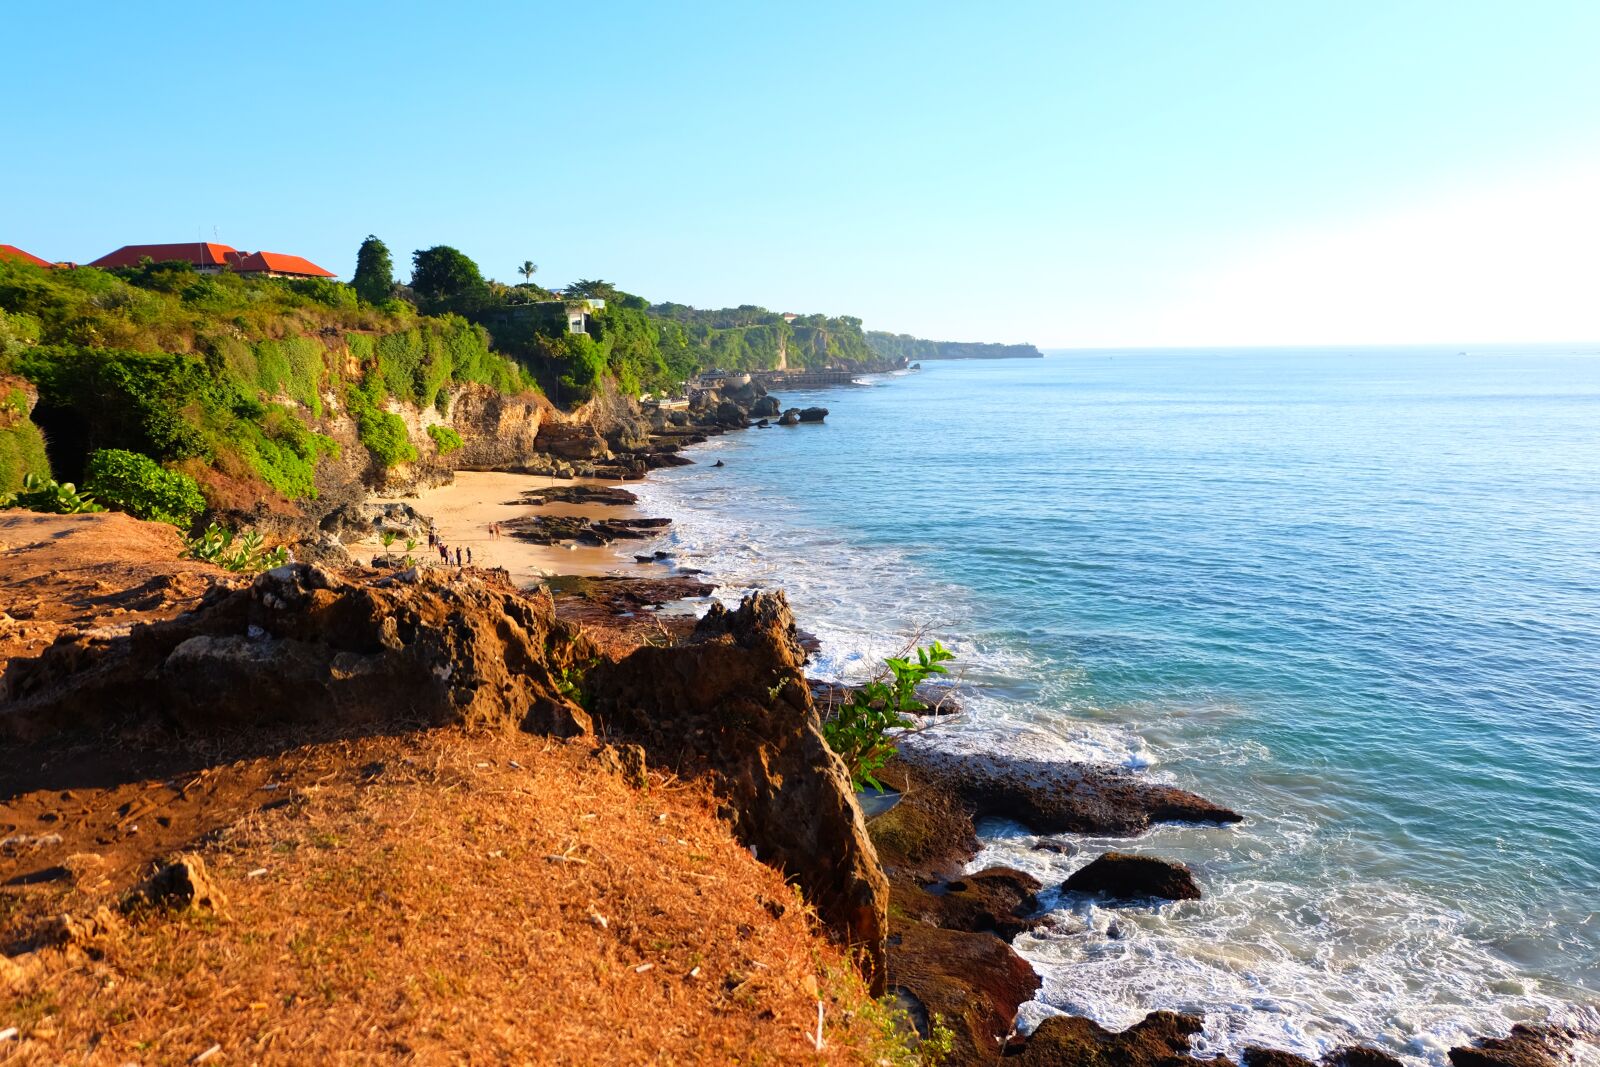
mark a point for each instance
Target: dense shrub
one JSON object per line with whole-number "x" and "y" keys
{"x": 144, "y": 489}
{"x": 445, "y": 439}
{"x": 383, "y": 433}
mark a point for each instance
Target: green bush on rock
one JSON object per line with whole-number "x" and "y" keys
{"x": 859, "y": 730}
{"x": 137, "y": 484}
{"x": 445, "y": 439}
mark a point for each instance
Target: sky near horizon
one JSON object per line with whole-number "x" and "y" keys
{"x": 1063, "y": 173}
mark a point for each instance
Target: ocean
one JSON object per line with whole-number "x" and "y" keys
{"x": 1352, "y": 593}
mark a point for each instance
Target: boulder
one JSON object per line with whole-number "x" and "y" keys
{"x": 1161, "y": 1039}
{"x": 997, "y": 900}
{"x": 1121, "y": 876}
{"x": 1360, "y": 1056}
{"x": 1255, "y": 1056}
{"x": 1525, "y": 1046}
{"x": 731, "y": 414}
{"x": 813, "y": 414}
{"x": 765, "y": 406}
{"x": 183, "y": 883}
{"x": 790, "y": 417}
{"x": 1053, "y": 797}
{"x": 571, "y": 440}
{"x": 358, "y": 522}
{"x": 732, "y": 699}
{"x": 301, "y": 645}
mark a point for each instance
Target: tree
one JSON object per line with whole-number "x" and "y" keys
{"x": 444, "y": 279}
{"x": 528, "y": 269}
{"x": 374, "y": 277}
{"x": 592, "y": 288}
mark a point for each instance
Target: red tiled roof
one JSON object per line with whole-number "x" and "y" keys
{"x": 279, "y": 263}
{"x": 13, "y": 252}
{"x": 199, "y": 253}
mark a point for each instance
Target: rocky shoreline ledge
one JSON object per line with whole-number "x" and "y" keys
{"x": 347, "y": 653}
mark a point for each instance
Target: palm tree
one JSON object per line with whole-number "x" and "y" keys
{"x": 528, "y": 269}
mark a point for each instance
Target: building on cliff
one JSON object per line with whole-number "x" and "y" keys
{"x": 12, "y": 252}
{"x": 209, "y": 257}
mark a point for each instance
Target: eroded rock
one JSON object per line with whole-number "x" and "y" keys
{"x": 302, "y": 645}
{"x": 733, "y": 699}
{"x": 1525, "y": 1046}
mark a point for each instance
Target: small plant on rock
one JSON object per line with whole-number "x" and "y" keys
{"x": 859, "y": 730}
{"x": 241, "y": 553}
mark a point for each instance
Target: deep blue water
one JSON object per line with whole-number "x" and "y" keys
{"x": 1354, "y": 594}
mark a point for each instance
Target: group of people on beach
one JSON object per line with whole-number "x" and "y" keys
{"x": 447, "y": 555}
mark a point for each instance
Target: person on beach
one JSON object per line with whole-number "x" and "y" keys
{"x": 433, "y": 538}
{"x": 469, "y": 555}
{"x": 458, "y": 556}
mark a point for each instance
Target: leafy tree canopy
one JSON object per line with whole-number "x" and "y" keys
{"x": 445, "y": 280}
{"x": 374, "y": 277}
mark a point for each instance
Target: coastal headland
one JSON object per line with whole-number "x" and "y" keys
{"x": 374, "y": 803}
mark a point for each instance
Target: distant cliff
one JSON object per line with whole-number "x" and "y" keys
{"x": 898, "y": 345}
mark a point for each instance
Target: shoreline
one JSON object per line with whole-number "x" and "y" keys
{"x": 462, "y": 511}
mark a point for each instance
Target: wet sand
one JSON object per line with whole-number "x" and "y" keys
{"x": 463, "y": 510}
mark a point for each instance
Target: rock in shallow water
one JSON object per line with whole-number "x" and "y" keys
{"x": 1123, "y": 877}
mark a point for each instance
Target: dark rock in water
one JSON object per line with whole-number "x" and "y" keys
{"x": 765, "y": 406}
{"x": 1121, "y": 876}
{"x": 1525, "y": 1046}
{"x": 561, "y": 529}
{"x": 580, "y": 494}
{"x": 1114, "y": 931}
{"x": 790, "y": 418}
{"x": 1060, "y": 848}
{"x": 1360, "y": 1056}
{"x": 719, "y": 463}
{"x": 731, "y": 414}
{"x": 1161, "y": 1039}
{"x": 733, "y": 698}
{"x": 1254, "y": 1056}
{"x": 302, "y": 645}
{"x": 1056, "y": 798}
{"x": 973, "y": 981}
{"x": 763, "y": 424}
{"x": 996, "y": 900}
{"x": 813, "y": 414}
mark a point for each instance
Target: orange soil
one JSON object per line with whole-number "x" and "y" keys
{"x": 425, "y": 898}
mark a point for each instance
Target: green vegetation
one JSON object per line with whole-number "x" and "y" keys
{"x": 22, "y": 449}
{"x": 137, "y": 484}
{"x": 223, "y": 372}
{"x": 904, "y": 346}
{"x": 48, "y": 495}
{"x": 243, "y": 553}
{"x": 859, "y": 730}
{"x": 374, "y": 277}
{"x": 445, "y": 439}
{"x": 445, "y": 280}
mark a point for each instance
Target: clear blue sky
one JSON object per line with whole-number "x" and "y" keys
{"x": 1057, "y": 172}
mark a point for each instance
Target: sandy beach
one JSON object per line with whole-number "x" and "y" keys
{"x": 463, "y": 510}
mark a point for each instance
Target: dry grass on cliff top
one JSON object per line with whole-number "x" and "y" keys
{"x": 395, "y": 899}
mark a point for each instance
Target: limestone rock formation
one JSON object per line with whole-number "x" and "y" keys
{"x": 733, "y": 699}
{"x": 305, "y": 646}
{"x": 1121, "y": 876}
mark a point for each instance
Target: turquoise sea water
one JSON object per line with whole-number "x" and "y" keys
{"x": 1354, "y": 594}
